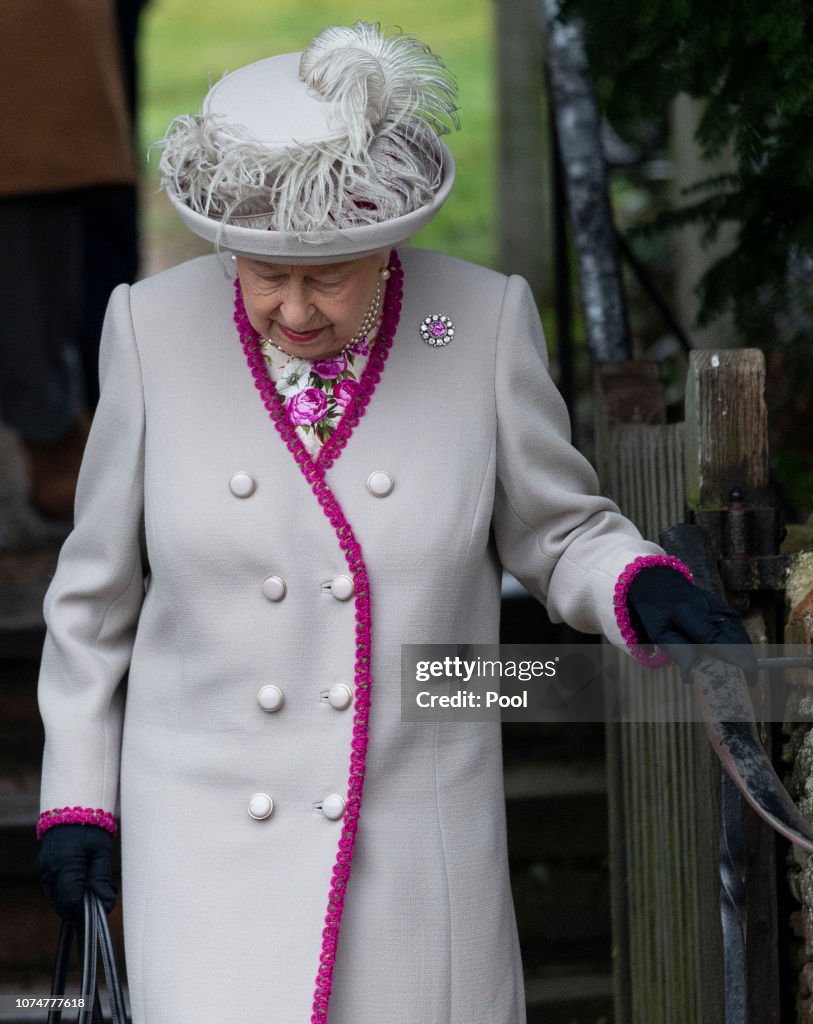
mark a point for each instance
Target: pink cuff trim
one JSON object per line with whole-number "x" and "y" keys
{"x": 75, "y": 816}
{"x": 645, "y": 654}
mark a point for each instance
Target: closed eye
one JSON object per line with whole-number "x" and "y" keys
{"x": 322, "y": 282}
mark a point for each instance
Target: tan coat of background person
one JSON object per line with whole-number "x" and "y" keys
{"x": 61, "y": 129}
{"x": 68, "y": 232}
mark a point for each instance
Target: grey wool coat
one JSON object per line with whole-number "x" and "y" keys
{"x": 162, "y": 581}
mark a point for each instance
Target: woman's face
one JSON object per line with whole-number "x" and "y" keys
{"x": 310, "y": 311}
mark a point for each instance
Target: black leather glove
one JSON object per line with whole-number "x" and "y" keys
{"x": 673, "y": 613}
{"x": 71, "y": 858}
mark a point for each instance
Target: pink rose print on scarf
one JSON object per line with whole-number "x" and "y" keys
{"x": 306, "y": 406}
{"x": 327, "y": 369}
{"x": 361, "y": 348}
{"x": 344, "y": 391}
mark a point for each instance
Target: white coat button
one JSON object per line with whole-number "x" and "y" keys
{"x": 270, "y": 697}
{"x": 260, "y": 806}
{"x": 274, "y": 588}
{"x": 340, "y": 696}
{"x": 333, "y": 807}
{"x": 342, "y": 588}
{"x": 242, "y": 485}
{"x": 380, "y": 484}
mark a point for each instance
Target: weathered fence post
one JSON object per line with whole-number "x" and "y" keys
{"x": 726, "y": 428}
{"x": 727, "y": 480}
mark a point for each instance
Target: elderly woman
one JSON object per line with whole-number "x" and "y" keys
{"x": 311, "y": 448}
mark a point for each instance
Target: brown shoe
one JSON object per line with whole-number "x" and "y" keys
{"x": 53, "y": 468}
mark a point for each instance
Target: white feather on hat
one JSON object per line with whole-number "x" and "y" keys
{"x": 368, "y": 151}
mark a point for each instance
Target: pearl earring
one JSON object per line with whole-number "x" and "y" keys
{"x": 384, "y": 273}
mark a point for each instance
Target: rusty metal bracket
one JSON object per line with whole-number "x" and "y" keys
{"x": 744, "y": 541}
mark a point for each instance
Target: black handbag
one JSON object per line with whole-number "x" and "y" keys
{"x": 93, "y": 939}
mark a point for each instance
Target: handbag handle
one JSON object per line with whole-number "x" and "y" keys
{"x": 89, "y": 935}
{"x": 118, "y": 1009}
{"x": 94, "y": 938}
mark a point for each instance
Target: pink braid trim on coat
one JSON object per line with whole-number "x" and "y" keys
{"x": 75, "y": 816}
{"x": 622, "y": 612}
{"x": 314, "y": 473}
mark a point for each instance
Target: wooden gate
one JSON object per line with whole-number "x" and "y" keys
{"x": 694, "y": 871}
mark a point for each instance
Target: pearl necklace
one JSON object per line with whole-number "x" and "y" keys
{"x": 371, "y": 321}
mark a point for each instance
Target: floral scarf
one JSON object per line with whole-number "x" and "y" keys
{"x": 316, "y": 391}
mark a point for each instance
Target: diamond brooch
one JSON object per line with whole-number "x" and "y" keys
{"x": 437, "y": 330}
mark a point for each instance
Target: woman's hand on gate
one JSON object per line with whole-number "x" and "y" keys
{"x": 71, "y": 858}
{"x": 682, "y": 619}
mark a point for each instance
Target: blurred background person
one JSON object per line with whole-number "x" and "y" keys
{"x": 68, "y": 172}
{"x": 111, "y": 217}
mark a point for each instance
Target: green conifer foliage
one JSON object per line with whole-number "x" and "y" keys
{"x": 751, "y": 62}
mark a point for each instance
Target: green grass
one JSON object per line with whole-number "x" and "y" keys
{"x": 186, "y": 44}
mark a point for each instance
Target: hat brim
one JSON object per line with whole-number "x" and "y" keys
{"x": 318, "y": 247}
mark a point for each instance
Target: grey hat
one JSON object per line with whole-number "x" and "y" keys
{"x": 320, "y": 156}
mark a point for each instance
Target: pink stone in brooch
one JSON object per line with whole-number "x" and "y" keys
{"x": 437, "y": 330}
